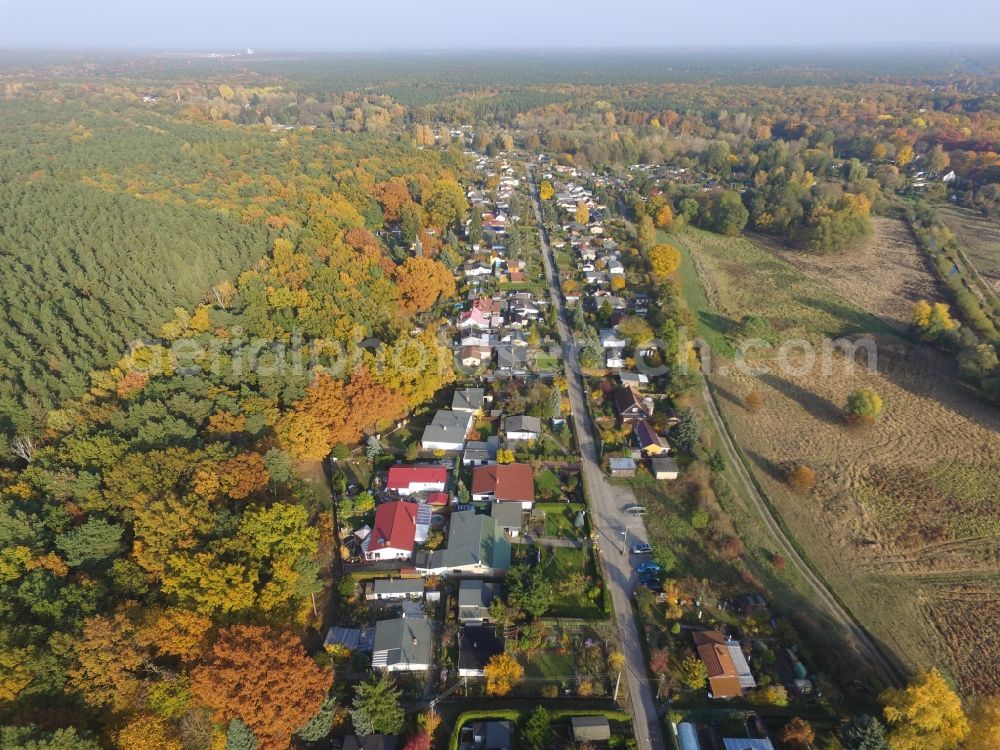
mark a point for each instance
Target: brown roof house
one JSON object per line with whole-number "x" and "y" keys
{"x": 629, "y": 406}
{"x": 504, "y": 483}
{"x": 648, "y": 441}
{"x": 729, "y": 675}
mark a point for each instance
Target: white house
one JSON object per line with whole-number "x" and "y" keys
{"x": 405, "y": 480}
{"x": 393, "y": 533}
{"x": 611, "y": 339}
{"x": 522, "y": 428}
{"x": 447, "y": 431}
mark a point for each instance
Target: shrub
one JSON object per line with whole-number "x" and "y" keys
{"x": 801, "y": 478}
{"x": 549, "y": 691}
{"x": 863, "y": 405}
{"x": 754, "y": 400}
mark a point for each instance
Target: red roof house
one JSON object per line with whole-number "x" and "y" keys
{"x": 393, "y": 532}
{"x": 405, "y": 480}
{"x": 504, "y": 483}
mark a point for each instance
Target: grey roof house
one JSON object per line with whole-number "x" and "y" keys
{"x": 512, "y": 358}
{"x": 402, "y": 645}
{"x": 474, "y": 597}
{"x": 509, "y": 517}
{"x": 469, "y": 399}
{"x": 481, "y": 453}
{"x": 476, "y": 546}
{"x": 522, "y": 428}
{"x": 447, "y": 430}
{"x": 493, "y": 735}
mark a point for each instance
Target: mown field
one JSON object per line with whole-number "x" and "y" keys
{"x": 980, "y": 237}
{"x": 903, "y": 275}
{"x": 905, "y": 519}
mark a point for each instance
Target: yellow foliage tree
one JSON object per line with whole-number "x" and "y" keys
{"x": 302, "y": 436}
{"x": 546, "y": 191}
{"x": 664, "y": 217}
{"x": 15, "y": 675}
{"x": 664, "y": 259}
{"x": 146, "y": 732}
{"x": 502, "y": 672}
{"x": 984, "y": 722}
{"x": 178, "y": 632}
{"x": 925, "y": 715}
{"x": 582, "y": 214}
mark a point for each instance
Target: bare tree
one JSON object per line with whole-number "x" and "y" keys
{"x": 23, "y": 447}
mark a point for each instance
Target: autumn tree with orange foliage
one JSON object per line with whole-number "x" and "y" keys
{"x": 392, "y": 195}
{"x": 421, "y": 281}
{"x": 343, "y": 409}
{"x": 238, "y": 477}
{"x": 798, "y": 734}
{"x": 753, "y": 400}
{"x": 264, "y": 678}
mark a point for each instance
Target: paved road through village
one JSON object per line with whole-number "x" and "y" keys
{"x": 606, "y": 516}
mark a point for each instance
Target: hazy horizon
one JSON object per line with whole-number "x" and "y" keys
{"x": 309, "y": 26}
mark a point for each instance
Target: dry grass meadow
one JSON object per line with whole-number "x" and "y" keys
{"x": 905, "y": 518}
{"x": 980, "y": 236}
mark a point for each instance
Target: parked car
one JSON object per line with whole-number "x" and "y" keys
{"x": 648, "y": 567}
{"x": 634, "y": 510}
{"x": 641, "y": 549}
{"x": 647, "y": 578}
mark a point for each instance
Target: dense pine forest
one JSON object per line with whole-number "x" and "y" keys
{"x": 96, "y": 270}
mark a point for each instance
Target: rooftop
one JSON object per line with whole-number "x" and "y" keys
{"x": 507, "y": 515}
{"x": 395, "y": 526}
{"x": 402, "y": 476}
{"x": 476, "y": 644}
{"x": 404, "y": 640}
{"x": 468, "y": 399}
{"x": 383, "y": 586}
{"x": 506, "y": 482}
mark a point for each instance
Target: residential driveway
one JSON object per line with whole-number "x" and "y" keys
{"x": 606, "y": 516}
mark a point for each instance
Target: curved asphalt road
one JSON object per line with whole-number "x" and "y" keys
{"x": 606, "y": 516}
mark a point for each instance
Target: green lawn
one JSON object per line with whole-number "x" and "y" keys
{"x": 558, "y": 567}
{"x": 710, "y": 327}
{"x": 546, "y": 665}
{"x": 559, "y": 519}
{"x": 747, "y": 280}
{"x": 546, "y": 362}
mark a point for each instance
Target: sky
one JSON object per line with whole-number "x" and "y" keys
{"x": 341, "y": 25}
